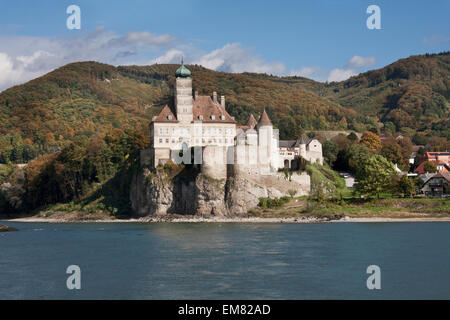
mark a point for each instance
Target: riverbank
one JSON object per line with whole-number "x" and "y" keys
{"x": 297, "y": 210}
{"x": 192, "y": 219}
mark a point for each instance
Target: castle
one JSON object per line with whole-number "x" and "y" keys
{"x": 199, "y": 130}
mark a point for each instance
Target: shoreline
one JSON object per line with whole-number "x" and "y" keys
{"x": 345, "y": 219}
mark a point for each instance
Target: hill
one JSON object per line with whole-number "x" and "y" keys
{"x": 410, "y": 95}
{"x": 85, "y": 99}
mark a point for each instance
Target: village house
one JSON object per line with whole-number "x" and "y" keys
{"x": 442, "y": 160}
{"x": 437, "y": 185}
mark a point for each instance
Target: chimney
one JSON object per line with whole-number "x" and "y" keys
{"x": 196, "y": 95}
{"x": 215, "y": 96}
{"x": 222, "y": 101}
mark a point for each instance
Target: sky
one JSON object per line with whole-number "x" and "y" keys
{"x": 325, "y": 40}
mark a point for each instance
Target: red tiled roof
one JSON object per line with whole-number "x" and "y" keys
{"x": 166, "y": 115}
{"x": 206, "y": 107}
{"x": 251, "y": 122}
{"x": 264, "y": 120}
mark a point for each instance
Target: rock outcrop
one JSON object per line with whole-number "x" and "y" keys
{"x": 4, "y": 228}
{"x": 180, "y": 190}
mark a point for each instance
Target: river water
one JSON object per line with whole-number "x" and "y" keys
{"x": 226, "y": 260}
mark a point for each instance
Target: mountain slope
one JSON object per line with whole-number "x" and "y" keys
{"x": 410, "y": 93}
{"x": 84, "y": 99}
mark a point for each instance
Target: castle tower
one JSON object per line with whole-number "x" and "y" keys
{"x": 265, "y": 137}
{"x": 183, "y": 94}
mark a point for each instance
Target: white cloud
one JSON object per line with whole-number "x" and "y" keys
{"x": 233, "y": 58}
{"x": 360, "y": 62}
{"x": 171, "y": 56}
{"x": 352, "y": 68}
{"x": 340, "y": 74}
{"x": 24, "y": 58}
{"x": 303, "y": 72}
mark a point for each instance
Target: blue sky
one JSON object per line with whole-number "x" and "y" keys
{"x": 323, "y": 40}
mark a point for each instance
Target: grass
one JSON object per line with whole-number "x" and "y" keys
{"x": 355, "y": 207}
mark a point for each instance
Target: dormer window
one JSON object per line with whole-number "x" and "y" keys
{"x": 222, "y": 117}
{"x": 213, "y": 117}
{"x": 169, "y": 117}
{"x": 200, "y": 117}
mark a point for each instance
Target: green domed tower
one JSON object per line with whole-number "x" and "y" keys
{"x": 183, "y": 94}
{"x": 182, "y": 71}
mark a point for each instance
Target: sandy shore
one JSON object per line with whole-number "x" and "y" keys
{"x": 233, "y": 220}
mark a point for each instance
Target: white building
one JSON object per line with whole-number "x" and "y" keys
{"x": 202, "y": 123}
{"x": 291, "y": 150}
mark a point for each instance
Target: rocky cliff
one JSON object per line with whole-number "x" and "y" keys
{"x": 183, "y": 190}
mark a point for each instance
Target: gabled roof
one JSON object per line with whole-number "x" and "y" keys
{"x": 264, "y": 120}
{"x": 251, "y": 123}
{"x": 166, "y": 115}
{"x": 446, "y": 176}
{"x": 206, "y": 107}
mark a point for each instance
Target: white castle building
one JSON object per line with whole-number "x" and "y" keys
{"x": 202, "y": 124}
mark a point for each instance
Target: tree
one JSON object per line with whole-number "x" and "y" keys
{"x": 404, "y": 186}
{"x": 374, "y": 176}
{"x": 392, "y": 151}
{"x": 430, "y": 167}
{"x": 371, "y": 140}
{"x": 353, "y": 137}
{"x": 389, "y": 127}
{"x": 292, "y": 192}
{"x": 330, "y": 151}
{"x": 406, "y": 147}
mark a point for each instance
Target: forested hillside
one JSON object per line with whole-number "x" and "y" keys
{"x": 81, "y": 100}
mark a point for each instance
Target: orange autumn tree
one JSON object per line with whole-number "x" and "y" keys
{"x": 371, "y": 141}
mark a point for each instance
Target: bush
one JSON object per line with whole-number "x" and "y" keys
{"x": 269, "y": 203}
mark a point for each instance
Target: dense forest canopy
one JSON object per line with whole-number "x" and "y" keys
{"x": 89, "y": 98}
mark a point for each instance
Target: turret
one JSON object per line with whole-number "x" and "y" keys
{"x": 183, "y": 94}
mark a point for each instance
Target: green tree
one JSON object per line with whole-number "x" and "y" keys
{"x": 330, "y": 151}
{"x": 374, "y": 176}
{"x": 404, "y": 186}
{"x": 353, "y": 137}
{"x": 392, "y": 151}
{"x": 430, "y": 167}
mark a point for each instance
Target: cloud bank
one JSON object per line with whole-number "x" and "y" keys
{"x": 24, "y": 58}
